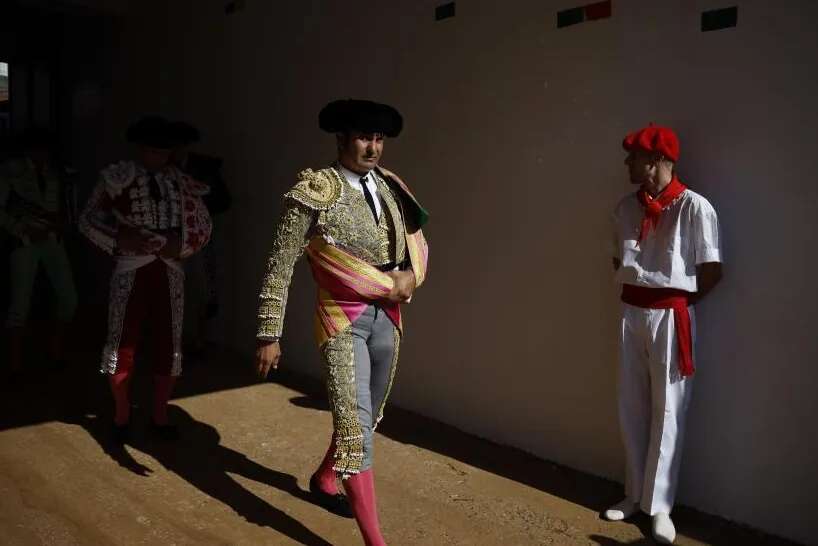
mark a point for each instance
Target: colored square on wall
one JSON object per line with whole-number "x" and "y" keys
{"x": 570, "y": 17}
{"x": 444, "y": 11}
{"x": 719, "y": 19}
{"x": 234, "y": 7}
{"x": 599, "y": 10}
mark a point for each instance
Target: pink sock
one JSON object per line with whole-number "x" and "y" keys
{"x": 325, "y": 475}
{"x": 360, "y": 490}
{"x": 120, "y": 383}
{"x": 163, "y": 387}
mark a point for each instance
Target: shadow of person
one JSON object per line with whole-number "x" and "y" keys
{"x": 310, "y": 402}
{"x": 409, "y": 428}
{"x": 100, "y": 430}
{"x": 200, "y": 459}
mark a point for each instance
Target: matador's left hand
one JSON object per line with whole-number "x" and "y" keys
{"x": 404, "y": 286}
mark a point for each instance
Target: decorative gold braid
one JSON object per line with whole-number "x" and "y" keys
{"x": 288, "y": 245}
{"x": 393, "y": 223}
{"x": 392, "y": 371}
{"x": 340, "y": 360}
{"x": 318, "y": 190}
{"x": 348, "y": 224}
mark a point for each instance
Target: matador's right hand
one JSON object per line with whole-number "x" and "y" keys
{"x": 267, "y": 356}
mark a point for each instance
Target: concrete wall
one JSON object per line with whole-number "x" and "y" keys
{"x": 512, "y": 142}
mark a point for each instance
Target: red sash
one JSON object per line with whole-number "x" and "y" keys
{"x": 667, "y": 298}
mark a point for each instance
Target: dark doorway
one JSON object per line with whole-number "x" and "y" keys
{"x": 5, "y": 119}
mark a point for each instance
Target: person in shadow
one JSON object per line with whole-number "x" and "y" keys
{"x": 31, "y": 191}
{"x": 149, "y": 216}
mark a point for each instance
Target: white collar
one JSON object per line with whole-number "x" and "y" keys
{"x": 354, "y": 178}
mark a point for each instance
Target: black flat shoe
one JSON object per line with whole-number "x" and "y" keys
{"x": 168, "y": 433}
{"x": 120, "y": 433}
{"x": 337, "y": 503}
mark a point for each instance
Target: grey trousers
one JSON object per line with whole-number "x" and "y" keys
{"x": 375, "y": 346}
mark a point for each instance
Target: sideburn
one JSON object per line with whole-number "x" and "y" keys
{"x": 342, "y": 141}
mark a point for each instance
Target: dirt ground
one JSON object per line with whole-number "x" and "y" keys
{"x": 239, "y": 474}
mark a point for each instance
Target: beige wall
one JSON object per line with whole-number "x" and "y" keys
{"x": 512, "y": 141}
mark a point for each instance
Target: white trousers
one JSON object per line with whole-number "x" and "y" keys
{"x": 653, "y": 400}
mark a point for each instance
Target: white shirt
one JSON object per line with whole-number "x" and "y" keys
{"x": 354, "y": 180}
{"x": 686, "y": 235}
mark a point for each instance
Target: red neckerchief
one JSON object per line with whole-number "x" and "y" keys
{"x": 654, "y": 206}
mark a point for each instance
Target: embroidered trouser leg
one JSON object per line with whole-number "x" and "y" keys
{"x": 653, "y": 401}
{"x": 23, "y": 264}
{"x": 361, "y": 365}
{"x": 147, "y": 301}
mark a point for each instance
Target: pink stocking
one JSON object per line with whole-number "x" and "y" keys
{"x": 361, "y": 493}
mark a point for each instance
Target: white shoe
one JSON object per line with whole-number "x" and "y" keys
{"x": 621, "y": 510}
{"x": 663, "y": 530}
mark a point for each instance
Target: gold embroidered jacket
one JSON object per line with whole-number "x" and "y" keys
{"x": 123, "y": 196}
{"x": 323, "y": 204}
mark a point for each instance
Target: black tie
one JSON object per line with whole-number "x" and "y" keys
{"x": 368, "y": 197}
{"x": 153, "y": 188}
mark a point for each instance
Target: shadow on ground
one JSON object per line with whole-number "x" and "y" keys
{"x": 79, "y": 395}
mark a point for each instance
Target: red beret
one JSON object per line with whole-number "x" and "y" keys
{"x": 654, "y": 139}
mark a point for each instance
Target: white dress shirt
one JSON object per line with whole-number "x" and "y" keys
{"x": 687, "y": 235}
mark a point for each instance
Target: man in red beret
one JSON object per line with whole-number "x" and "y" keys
{"x": 667, "y": 259}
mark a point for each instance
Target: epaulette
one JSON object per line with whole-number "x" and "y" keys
{"x": 118, "y": 176}
{"x": 317, "y": 190}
